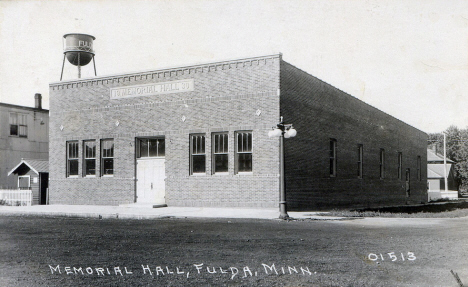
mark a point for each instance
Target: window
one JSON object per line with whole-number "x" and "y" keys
{"x": 220, "y": 152}
{"x": 197, "y": 154}
{"x": 23, "y": 125}
{"x": 332, "y": 157}
{"x": 359, "y": 162}
{"x": 13, "y": 124}
{"x": 408, "y": 183}
{"x": 18, "y": 125}
{"x": 400, "y": 165}
{"x": 418, "y": 171}
{"x": 89, "y": 162}
{"x": 243, "y": 152}
{"x": 107, "y": 157}
{"x": 72, "y": 159}
{"x": 382, "y": 163}
{"x": 151, "y": 147}
{"x": 24, "y": 182}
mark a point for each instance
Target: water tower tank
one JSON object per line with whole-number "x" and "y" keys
{"x": 79, "y": 48}
{"x": 79, "y": 51}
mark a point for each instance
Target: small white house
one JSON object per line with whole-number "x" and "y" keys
{"x": 435, "y": 177}
{"x": 33, "y": 176}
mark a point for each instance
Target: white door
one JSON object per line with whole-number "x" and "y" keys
{"x": 150, "y": 183}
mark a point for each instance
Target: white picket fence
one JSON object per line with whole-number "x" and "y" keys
{"x": 16, "y": 197}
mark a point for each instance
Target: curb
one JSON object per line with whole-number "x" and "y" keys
{"x": 152, "y": 216}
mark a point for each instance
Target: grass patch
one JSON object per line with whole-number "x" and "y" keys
{"x": 431, "y": 210}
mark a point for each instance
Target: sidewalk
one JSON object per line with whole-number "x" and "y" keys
{"x": 146, "y": 212}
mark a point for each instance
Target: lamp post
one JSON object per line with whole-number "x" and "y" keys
{"x": 282, "y": 131}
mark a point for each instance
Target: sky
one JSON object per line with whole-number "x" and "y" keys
{"x": 406, "y": 58}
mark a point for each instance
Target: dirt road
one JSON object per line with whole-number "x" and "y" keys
{"x": 37, "y": 251}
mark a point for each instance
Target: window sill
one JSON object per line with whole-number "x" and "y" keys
{"x": 221, "y": 173}
{"x": 90, "y": 176}
{"x": 198, "y": 174}
{"x": 245, "y": 173}
{"x": 108, "y": 175}
{"x": 72, "y": 176}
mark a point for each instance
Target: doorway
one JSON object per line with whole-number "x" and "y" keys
{"x": 43, "y": 187}
{"x": 151, "y": 170}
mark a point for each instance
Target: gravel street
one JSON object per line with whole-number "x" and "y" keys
{"x": 60, "y": 251}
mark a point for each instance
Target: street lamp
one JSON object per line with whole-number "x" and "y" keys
{"x": 282, "y": 131}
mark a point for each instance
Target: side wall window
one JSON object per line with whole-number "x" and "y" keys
{"x": 360, "y": 159}
{"x": 419, "y": 167}
{"x": 243, "y": 154}
{"x": 400, "y": 165}
{"x": 72, "y": 159}
{"x": 197, "y": 154}
{"x": 382, "y": 163}
{"x": 332, "y": 157}
{"x": 220, "y": 147}
{"x": 107, "y": 157}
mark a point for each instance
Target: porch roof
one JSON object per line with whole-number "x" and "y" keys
{"x": 36, "y": 165}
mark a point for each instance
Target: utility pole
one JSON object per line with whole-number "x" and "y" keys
{"x": 445, "y": 164}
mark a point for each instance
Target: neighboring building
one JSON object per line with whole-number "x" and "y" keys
{"x": 198, "y": 136}
{"x": 435, "y": 177}
{"x": 24, "y": 133}
{"x": 33, "y": 175}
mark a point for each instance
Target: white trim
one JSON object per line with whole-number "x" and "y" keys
{"x": 245, "y": 173}
{"x": 152, "y": 157}
{"x": 198, "y": 174}
{"x": 22, "y": 161}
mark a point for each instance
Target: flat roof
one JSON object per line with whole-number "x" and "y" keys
{"x": 166, "y": 69}
{"x": 22, "y": 107}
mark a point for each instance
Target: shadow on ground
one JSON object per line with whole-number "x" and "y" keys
{"x": 428, "y": 208}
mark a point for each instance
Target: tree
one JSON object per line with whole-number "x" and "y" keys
{"x": 457, "y": 150}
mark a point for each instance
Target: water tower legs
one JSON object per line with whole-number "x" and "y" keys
{"x": 94, "y": 63}
{"x": 63, "y": 65}
{"x": 79, "y": 67}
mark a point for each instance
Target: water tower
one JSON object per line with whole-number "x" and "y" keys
{"x": 78, "y": 51}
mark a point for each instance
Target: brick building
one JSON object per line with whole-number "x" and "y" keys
{"x": 198, "y": 136}
{"x": 24, "y": 133}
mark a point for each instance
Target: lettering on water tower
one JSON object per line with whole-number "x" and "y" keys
{"x": 152, "y": 89}
{"x": 85, "y": 44}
